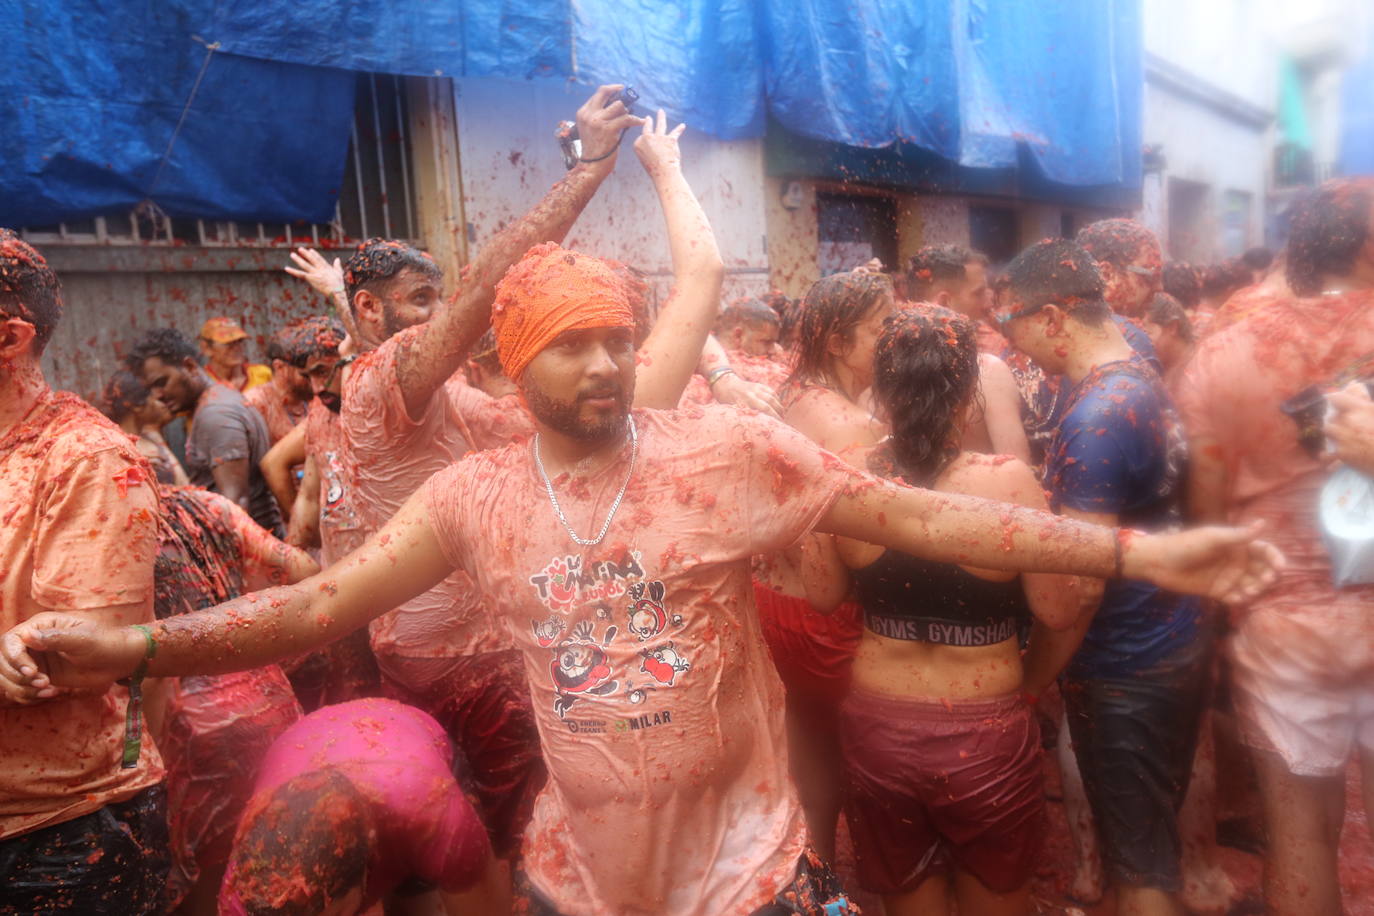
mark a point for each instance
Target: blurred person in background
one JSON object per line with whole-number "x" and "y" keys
{"x": 224, "y": 351}
{"x": 128, "y": 402}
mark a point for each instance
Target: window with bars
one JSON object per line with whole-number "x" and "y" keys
{"x": 376, "y": 197}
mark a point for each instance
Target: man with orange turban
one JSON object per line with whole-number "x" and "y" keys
{"x": 406, "y": 412}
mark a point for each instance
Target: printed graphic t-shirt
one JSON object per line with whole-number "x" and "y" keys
{"x": 341, "y": 531}
{"x": 280, "y": 413}
{"x": 400, "y": 761}
{"x": 660, "y": 713}
{"x": 1119, "y": 450}
{"x": 393, "y": 455}
{"x": 1231, "y": 394}
{"x": 79, "y": 532}
{"x": 226, "y": 429}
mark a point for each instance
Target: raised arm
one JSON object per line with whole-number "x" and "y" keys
{"x": 403, "y": 560}
{"x": 670, "y": 354}
{"x": 439, "y": 350}
{"x": 326, "y": 279}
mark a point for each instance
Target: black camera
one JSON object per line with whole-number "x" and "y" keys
{"x": 1307, "y": 409}
{"x": 566, "y": 132}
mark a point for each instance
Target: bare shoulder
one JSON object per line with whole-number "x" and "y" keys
{"x": 832, "y": 421}
{"x": 1004, "y": 478}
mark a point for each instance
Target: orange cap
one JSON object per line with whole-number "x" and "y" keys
{"x": 222, "y": 330}
{"x": 551, "y": 290}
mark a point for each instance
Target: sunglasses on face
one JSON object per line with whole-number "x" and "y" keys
{"x": 1006, "y": 316}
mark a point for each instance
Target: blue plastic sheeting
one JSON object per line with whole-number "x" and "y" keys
{"x": 1065, "y": 78}
{"x": 91, "y": 93}
{"x": 1357, "y": 116}
{"x": 865, "y": 73}
{"x": 700, "y": 60}
{"x": 967, "y": 79}
{"x": 92, "y": 90}
{"x": 410, "y": 37}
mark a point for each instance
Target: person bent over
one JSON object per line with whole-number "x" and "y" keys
{"x": 354, "y": 804}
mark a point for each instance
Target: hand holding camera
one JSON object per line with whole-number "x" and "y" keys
{"x": 601, "y": 122}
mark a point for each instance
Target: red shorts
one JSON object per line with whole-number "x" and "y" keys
{"x": 218, "y": 730}
{"x": 813, "y": 652}
{"x": 483, "y": 703}
{"x": 930, "y": 784}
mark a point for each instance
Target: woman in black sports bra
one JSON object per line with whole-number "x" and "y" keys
{"x": 944, "y": 790}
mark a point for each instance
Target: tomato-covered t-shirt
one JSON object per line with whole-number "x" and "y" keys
{"x": 78, "y": 532}
{"x": 1232, "y": 394}
{"x": 660, "y": 713}
{"x": 400, "y": 761}
{"x": 280, "y": 411}
{"x": 341, "y": 531}
{"x": 392, "y": 455}
{"x": 1119, "y": 449}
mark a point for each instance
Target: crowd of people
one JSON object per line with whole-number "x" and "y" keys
{"x": 539, "y": 599}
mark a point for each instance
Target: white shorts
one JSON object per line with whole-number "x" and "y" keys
{"x": 1304, "y": 686}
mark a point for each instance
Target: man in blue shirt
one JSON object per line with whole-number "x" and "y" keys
{"x": 1134, "y": 689}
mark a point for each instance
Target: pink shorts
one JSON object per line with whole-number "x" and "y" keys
{"x": 1304, "y": 686}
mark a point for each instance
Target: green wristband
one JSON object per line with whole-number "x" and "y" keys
{"x": 133, "y": 716}
{"x": 151, "y": 652}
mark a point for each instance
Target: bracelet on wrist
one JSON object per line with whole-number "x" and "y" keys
{"x": 717, "y": 374}
{"x": 133, "y": 715}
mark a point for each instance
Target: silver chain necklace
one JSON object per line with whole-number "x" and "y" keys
{"x": 558, "y": 510}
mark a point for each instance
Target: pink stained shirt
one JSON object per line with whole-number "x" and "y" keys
{"x": 279, "y": 412}
{"x": 393, "y": 455}
{"x": 341, "y": 531}
{"x": 660, "y": 714}
{"x": 1231, "y": 392}
{"x": 78, "y": 532}
{"x": 399, "y": 759}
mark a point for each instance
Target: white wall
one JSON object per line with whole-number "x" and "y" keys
{"x": 509, "y": 159}
{"x": 1228, "y": 43}
{"x": 1205, "y": 147}
{"x": 1226, "y": 47}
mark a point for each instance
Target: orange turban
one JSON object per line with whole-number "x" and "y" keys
{"x": 551, "y": 290}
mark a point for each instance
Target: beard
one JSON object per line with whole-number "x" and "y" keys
{"x": 392, "y": 322}
{"x": 563, "y": 416}
{"x": 331, "y": 400}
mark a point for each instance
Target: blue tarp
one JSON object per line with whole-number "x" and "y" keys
{"x": 92, "y": 90}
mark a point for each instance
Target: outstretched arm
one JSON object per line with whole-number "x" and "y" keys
{"x": 1228, "y": 564}
{"x": 403, "y": 560}
{"x": 670, "y": 353}
{"x": 438, "y": 351}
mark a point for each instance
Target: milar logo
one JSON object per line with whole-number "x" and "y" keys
{"x": 648, "y": 720}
